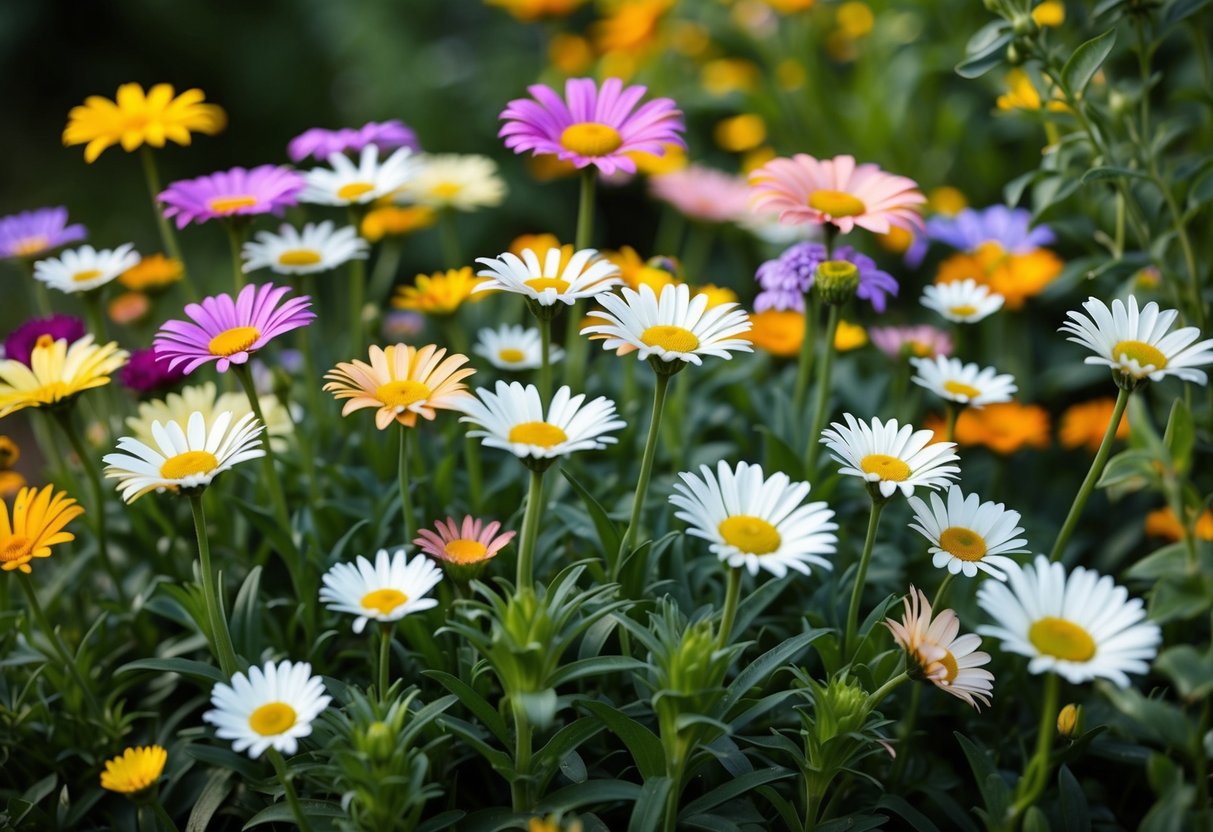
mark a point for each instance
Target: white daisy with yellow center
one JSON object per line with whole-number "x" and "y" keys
{"x": 345, "y": 183}
{"x": 672, "y": 327}
{"x": 207, "y": 400}
{"x": 386, "y": 590}
{"x": 514, "y": 348}
{"x": 317, "y": 247}
{"x": 1080, "y": 626}
{"x": 84, "y": 269}
{"x": 1137, "y": 344}
{"x": 756, "y": 522}
{"x": 890, "y": 456}
{"x": 183, "y": 457}
{"x": 962, "y": 301}
{"x": 270, "y": 707}
{"x": 462, "y": 182}
{"x": 966, "y": 534}
{"x": 968, "y": 384}
{"x": 514, "y": 419}
{"x": 585, "y": 276}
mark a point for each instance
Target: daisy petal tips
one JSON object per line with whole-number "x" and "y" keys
{"x": 386, "y": 590}
{"x": 889, "y": 456}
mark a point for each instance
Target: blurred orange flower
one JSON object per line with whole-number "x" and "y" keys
{"x": 1163, "y": 523}
{"x": 1083, "y": 424}
{"x": 1003, "y": 428}
{"x": 1016, "y": 277}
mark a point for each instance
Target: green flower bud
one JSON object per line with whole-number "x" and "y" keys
{"x": 380, "y": 742}
{"x": 837, "y": 281}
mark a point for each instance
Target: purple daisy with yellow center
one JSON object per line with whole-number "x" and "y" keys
{"x": 34, "y": 233}
{"x": 20, "y": 343}
{"x": 145, "y": 373}
{"x": 320, "y": 143}
{"x": 266, "y": 189}
{"x": 228, "y": 331}
{"x": 592, "y": 126}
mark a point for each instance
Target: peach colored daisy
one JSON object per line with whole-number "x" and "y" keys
{"x": 469, "y": 542}
{"x": 403, "y": 382}
{"x": 950, "y": 663}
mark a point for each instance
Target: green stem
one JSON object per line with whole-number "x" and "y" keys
{"x": 697, "y": 252}
{"x": 292, "y": 798}
{"x": 520, "y": 786}
{"x": 545, "y": 359}
{"x": 384, "y": 273}
{"x": 273, "y": 483}
{"x": 942, "y": 592}
{"x": 402, "y": 474}
{"x": 530, "y": 530}
{"x": 385, "y": 659}
{"x": 221, "y": 638}
{"x": 1036, "y": 773}
{"x": 953, "y": 413}
{"x": 167, "y": 236}
{"x": 1088, "y": 485}
{"x": 357, "y": 302}
{"x": 235, "y": 242}
{"x": 471, "y": 456}
{"x": 65, "y": 656}
{"x": 861, "y": 575}
{"x": 161, "y": 815}
{"x": 732, "y": 594}
{"x": 94, "y": 315}
{"x": 42, "y": 297}
{"x": 646, "y": 471}
{"x": 804, "y": 366}
{"x": 585, "y": 209}
{"x": 823, "y": 393}
{"x": 888, "y": 687}
{"x": 448, "y": 226}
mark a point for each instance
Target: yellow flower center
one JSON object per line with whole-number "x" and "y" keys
{"x": 86, "y": 275}
{"x": 234, "y": 340}
{"x": 541, "y": 284}
{"x": 590, "y": 138}
{"x": 962, "y": 543}
{"x": 44, "y": 341}
{"x": 670, "y": 338}
{"x": 272, "y": 718}
{"x": 511, "y": 355}
{"x": 402, "y": 393}
{"x": 16, "y": 548}
{"x": 919, "y": 348}
{"x": 31, "y": 246}
{"x": 886, "y": 467}
{"x": 963, "y": 310}
{"x": 1144, "y": 354}
{"x": 749, "y": 534}
{"x": 836, "y": 203}
{"x": 231, "y": 204}
{"x": 543, "y": 434}
{"x": 354, "y": 190}
{"x": 465, "y": 551}
{"x": 957, "y": 388}
{"x": 188, "y": 464}
{"x": 446, "y": 190}
{"x": 1061, "y": 639}
{"x": 299, "y": 257}
{"x": 948, "y": 662}
{"x": 384, "y": 600}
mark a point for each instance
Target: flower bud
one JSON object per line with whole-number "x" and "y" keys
{"x": 1068, "y": 720}
{"x": 1015, "y": 55}
{"x": 380, "y": 742}
{"x": 1024, "y": 26}
{"x": 837, "y": 281}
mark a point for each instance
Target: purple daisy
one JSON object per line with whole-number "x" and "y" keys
{"x": 237, "y": 192}
{"x": 229, "y": 331}
{"x": 34, "y": 233}
{"x": 787, "y": 278}
{"x": 145, "y": 374}
{"x": 1010, "y": 228}
{"x": 592, "y": 126}
{"x": 20, "y": 343}
{"x": 320, "y": 143}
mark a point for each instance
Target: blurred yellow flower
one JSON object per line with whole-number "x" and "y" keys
{"x": 393, "y": 221}
{"x": 527, "y": 10}
{"x": 10, "y": 483}
{"x": 135, "y": 118}
{"x": 1050, "y": 13}
{"x": 1022, "y": 94}
{"x": 151, "y": 273}
{"x": 1163, "y": 523}
{"x": 716, "y": 294}
{"x": 897, "y": 240}
{"x": 1084, "y": 424}
{"x": 9, "y": 452}
{"x": 441, "y": 293}
{"x": 129, "y": 308}
{"x": 631, "y": 26}
{"x": 791, "y": 6}
{"x": 57, "y": 372}
{"x": 1016, "y": 277}
{"x": 849, "y": 337}
{"x": 946, "y": 200}
{"x": 570, "y": 54}
{"x": 756, "y": 158}
{"x": 134, "y": 770}
{"x": 778, "y": 332}
{"x": 691, "y": 39}
{"x": 725, "y": 75}
{"x": 741, "y": 133}
{"x": 541, "y": 244}
{"x": 855, "y": 19}
{"x": 1004, "y": 428}
{"x": 36, "y": 524}
{"x": 650, "y": 164}
{"x": 548, "y": 166}
{"x": 790, "y": 74}
{"x": 637, "y": 272}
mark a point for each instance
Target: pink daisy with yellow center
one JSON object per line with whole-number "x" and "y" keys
{"x": 592, "y": 125}
{"x": 470, "y": 542}
{"x": 837, "y": 191}
{"x": 267, "y": 189}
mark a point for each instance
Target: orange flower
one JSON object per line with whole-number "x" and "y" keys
{"x": 632, "y": 27}
{"x": 392, "y": 221}
{"x": 151, "y": 273}
{"x": 716, "y": 294}
{"x": 1016, "y": 277}
{"x": 779, "y": 332}
{"x": 1084, "y": 424}
{"x": 38, "y": 520}
{"x": 1003, "y": 428}
{"x": 129, "y": 308}
{"x": 1163, "y": 523}
{"x": 10, "y": 483}
{"x": 655, "y": 272}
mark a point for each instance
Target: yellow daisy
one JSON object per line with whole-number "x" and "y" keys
{"x": 57, "y": 372}
{"x": 134, "y": 770}
{"x": 152, "y": 273}
{"x": 402, "y": 382}
{"x": 392, "y": 221}
{"x": 135, "y": 118}
{"x": 37, "y": 524}
{"x": 440, "y": 293}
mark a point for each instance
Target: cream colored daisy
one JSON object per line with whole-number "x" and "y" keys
{"x": 317, "y": 247}
{"x": 962, "y": 301}
{"x": 968, "y": 384}
{"x": 514, "y": 348}
{"x": 966, "y": 534}
{"x": 402, "y": 383}
{"x": 205, "y": 399}
{"x": 271, "y": 707}
{"x": 386, "y": 590}
{"x": 585, "y": 275}
{"x": 514, "y": 419}
{"x": 84, "y": 269}
{"x": 463, "y": 182}
{"x": 348, "y": 184}
{"x": 889, "y": 456}
{"x": 939, "y": 654}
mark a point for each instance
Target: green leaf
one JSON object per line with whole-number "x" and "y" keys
{"x": 1154, "y": 717}
{"x": 1180, "y": 436}
{"x": 766, "y": 664}
{"x": 900, "y": 806}
{"x": 446, "y": 820}
{"x": 1189, "y": 669}
{"x": 1169, "y": 560}
{"x": 984, "y": 773}
{"x": 474, "y": 702}
{"x": 594, "y": 666}
{"x": 1181, "y": 9}
{"x": 1180, "y": 597}
{"x": 735, "y": 788}
{"x": 1085, "y": 62}
{"x": 985, "y": 49}
{"x": 609, "y": 536}
{"x": 587, "y": 793}
{"x": 650, "y": 805}
{"x": 642, "y": 743}
{"x": 246, "y": 615}
{"x": 198, "y": 671}
{"x": 1075, "y": 816}
{"x": 209, "y": 800}
{"x": 1105, "y": 172}
{"x": 1035, "y": 820}
{"x": 281, "y": 812}
{"x": 1128, "y": 468}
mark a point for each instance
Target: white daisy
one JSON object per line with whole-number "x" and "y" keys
{"x": 1136, "y": 345}
{"x": 272, "y": 707}
{"x": 387, "y": 590}
{"x": 183, "y": 458}
{"x": 956, "y": 381}
{"x": 889, "y": 456}
{"x": 674, "y": 327}
{"x": 348, "y": 184}
{"x": 514, "y": 348}
{"x": 1081, "y": 626}
{"x": 939, "y": 653}
{"x": 83, "y": 269}
{"x": 967, "y": 534}
{"x": 513, "y": 419}
{"x": 463, "y": 182}
{"x": 585, "y": 276}
{"x": 962, "y": 301}
{"x": 755, "y": 522}
{"x": 205, "y": 398}
{"x": 319, "y": 247}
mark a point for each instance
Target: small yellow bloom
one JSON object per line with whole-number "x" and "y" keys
{"x": 541, "y": 244}
{"x": 9, "y": 452}
{"x": 10, "y": 483}
{"x": 897, "y": 240}
{"x": 632, "y": 26}
{"x": 1016, "y": 277}
{"x": 1004, "y": 428}
{"x": 1068, "y": 719}
{"x": 1084, "y": 424}
{"x": 570, "y": 54}
{"x": 1050, "y": 13}
{"x": 741, "y": 133}
{"x": 37, "y": 523}
{"x": 855, "y": 19}
{"x": 1163, "y": 523}
{"x": 946, "y": 200}
{"x": 134, "y": 770}
{"x": 528, "y": 10}
{"x": 791, "y": 6}
{"x": 725, "y": 75}
{"x": 1022, "y": 94}
{"x": 135, "y": 118}
{"x": 553, "y": 824}
{"x": 756, "y": 158}
{"x": 636, "y": 272}
{"x": 849, "y": 337}
{"x": 440, "y": 293}
{"x": 716, "y": 294}
{"x": 392, "y": 221}
{"x": 129, "y": 307}
{"x": 791, "y": 74}
{"x": 650, "y": 164}
{"x": 57, "y": 372}
{"x": 152, "y": 273}
{"x": 691, "y": 39}
{"x": 778, "y": 332}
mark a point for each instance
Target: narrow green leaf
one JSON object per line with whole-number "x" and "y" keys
{"x": 900, "y": 806}
{"x": 762, "y": 667}
{"x": 1086, "y": 61}
{"x": 650, "y": 805}
{"x": 198, "y": 671}
{"x": 735, "y": 788}
{"x": 1075, "y": 816}
{"x": 1180, "y": 436}
{"x": 609, "y": 535}
{"x": 209, "y": 800}
{"x": 477, "y": 704}
{"x": 281, "y": 812}
{"x": 595, "y": 665}
{"x": 643, "y": 744}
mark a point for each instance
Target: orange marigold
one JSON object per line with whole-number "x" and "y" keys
{"x": 1003, "y": 428}
{"x": 1084, "y": 424}
{"x": 1016, "y": 277}
{"x": 1163, "y": 523}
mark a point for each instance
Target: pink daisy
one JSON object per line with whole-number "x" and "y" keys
{"x": 470, "y": 543}
{"x": 592, "y": 126}
{"x": 803, "y": 189}
{"x": 229, "y": 331}
{"x": 320, "y": 143}
{"x": 921, "y": 341}
{"x": 702, "y": 193}
{"x": 237, "y": 192}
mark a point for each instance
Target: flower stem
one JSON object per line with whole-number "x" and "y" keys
{"x": 1036, "y": 772}
{"x": 585, "y": 209}
{"x": 448, "y": 226}
{"x": 292, "y": 798}
{"x": 953, "y": 413}
{"x": 406, "y": 499}
{"x": 384, "y": 273}
{"x": 94, "y": 315}
{"x": 1088, "y": 485}
{"x": 646, "y": 472}
{"x": 273, "y": 483}
{"x": 884, "y": 690}
{"x": 163, "y": 816}
{"x": 65, "y": 656}
{"x": 520, "y": 786}
{"x": 167, "y": 236}
{"x": 804, "y": 366}
{"x": 235, "y": 242}
{"x": 823, "y": 393}
{"x": 861, "y": 575}
{"x": 545, "y": 359}
{"x": 385, "y": 659}
{"x": 225, "y": 652}
{"x": 728, "y": 615}
{"x": 530, "y": 530}
{"x": 942, "y": 592}
{"x": 357, "y": 301}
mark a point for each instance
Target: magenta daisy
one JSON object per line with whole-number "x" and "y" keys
{"x": 592, "y": 126}
{"x": 470, "y": 542}
{"x": 266, "y": 189}
{"x": 34, "y": 233}
{"x": 229, "y": 331}
{"x": 145, "y": 374}
{"x": 837, "y": 191}
{"x": 20, "y": 343}
{"x": 320, "y": 143}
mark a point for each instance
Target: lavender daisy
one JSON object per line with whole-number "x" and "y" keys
{"x": 227, "y": 330}
{"x": 34, "y": 233}
{"x": 787, "y": 278}
{"x": 320, "y": 144}
{"x": 144, "y": 373}
{"x": 20, "y": 343}
{"x": 592, "y": 125}
{"x": 237, "y": 192}
{"x": 1008, "y": 227}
